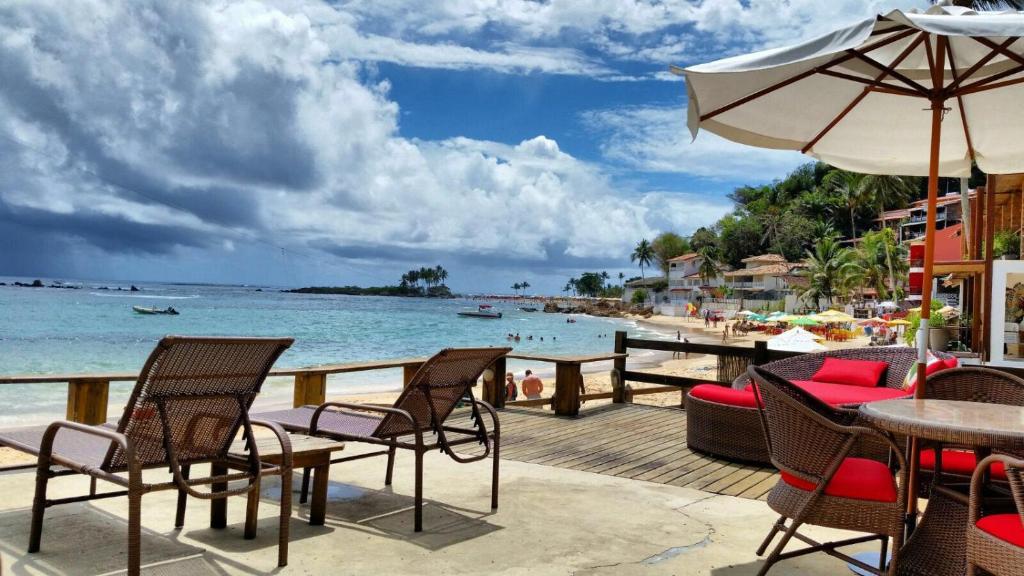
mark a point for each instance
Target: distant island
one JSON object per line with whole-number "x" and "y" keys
{"x": 423, "y": 283}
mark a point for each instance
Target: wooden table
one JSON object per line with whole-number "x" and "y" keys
{"x": 307, "y": 452}
{"x": 938, "y": 546}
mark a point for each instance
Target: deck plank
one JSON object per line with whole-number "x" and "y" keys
{"x": 628, "y": 440}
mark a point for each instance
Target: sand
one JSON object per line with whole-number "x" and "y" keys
{"x": 696, "y": 366}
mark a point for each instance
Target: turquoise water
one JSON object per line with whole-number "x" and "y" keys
{"x": 54, "y": 331}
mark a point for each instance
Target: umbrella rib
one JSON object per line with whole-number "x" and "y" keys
{"x": 891, "y": 72}
{"x": 990, "y": 82}
{"x": 999, "y": 48}
{"x": 853, "y": 104}
{"x": 960, "y": 101}
{"x": 802, "y": 75}
{"x": 889, "y": 88}
{"x": 981, "y": 62}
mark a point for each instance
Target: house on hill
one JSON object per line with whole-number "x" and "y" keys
{"x": 764, "y": 277}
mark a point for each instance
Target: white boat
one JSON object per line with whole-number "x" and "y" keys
{"x": 149, "y": 310}
{"x": 482, "y": 311}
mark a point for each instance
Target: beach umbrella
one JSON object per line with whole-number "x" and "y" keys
{"x": 757, "y": 317}
{"x": 905, "y": 93}
{"x": 804, "y": 321}
{"x": 745, "y": 313}
{"x": 876, "y": 321}
{"x": 795, "y": 340}
{"x": 833, "y": 318}
{"x": 897, "y": 322}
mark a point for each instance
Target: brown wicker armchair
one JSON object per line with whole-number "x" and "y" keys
{"x": 734, "y": 432}
{"x": 995, "y": 543}
{"x": 189, "y": 403}
{"x": 427, "y": 401}
{"x": 822, "y": 484}
{"x": 971, "y": 384}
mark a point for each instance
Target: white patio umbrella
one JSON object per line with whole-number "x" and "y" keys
{"x": 907, "y": 93}
{"x": 795, "y": 340}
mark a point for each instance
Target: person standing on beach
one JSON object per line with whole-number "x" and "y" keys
{"x": 532, "y": 386}
{"x": 511, "y": 392}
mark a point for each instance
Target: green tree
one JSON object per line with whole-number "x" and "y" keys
{"x": 708, "y": 269}
{"x": 643, "y": 255}
{"x": 516, "y": 288}
{"x": 668, "y": 245}
{"x": 703, "y": 237}
{"x": 739, "y": 237}
{"x": 524, "y": 285}
{"x": 851, "y": 188}
{"x": 590, "y": 284}
{"x": 639, "y": 296}
{"x": 828, "y": 270}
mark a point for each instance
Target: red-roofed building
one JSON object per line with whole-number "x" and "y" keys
{"x": 948, "y": 243}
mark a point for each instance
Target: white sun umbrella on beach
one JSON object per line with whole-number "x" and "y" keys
{"x": 795, "y": 340}
{"x": 907, "y": 93}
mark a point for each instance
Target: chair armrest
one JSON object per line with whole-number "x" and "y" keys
{"x": 361, "y": 408}
{"x": 282, "y": 438}
{"x": 974, "y": 503}
{"x": 46, "y": 447}
{"x": 494, "y": 415}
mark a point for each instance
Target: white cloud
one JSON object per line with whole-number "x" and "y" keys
{"x": 151, "y": 127}
{"x": 655, "y": 138}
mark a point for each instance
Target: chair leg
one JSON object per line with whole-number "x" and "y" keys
{"x": 779, "y": 525}
{"x": 419, "y": 492}
{"x": 38, "y": 508}
{"x": 774, "y": 556}
{"x": 494, "y": 472}
{"x": 286, "y": 516}
{"x": 304, "y": 491}
{"x": 882, "y": 556}
{"x": 391, "y": 464}
{"x": 179, "y": 517}
{"x": 134, "y": 532}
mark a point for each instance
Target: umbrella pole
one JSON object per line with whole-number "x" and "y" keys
{"x": 926, "y": 299}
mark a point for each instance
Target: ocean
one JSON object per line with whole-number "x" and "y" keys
{"x": 91, "y": 329}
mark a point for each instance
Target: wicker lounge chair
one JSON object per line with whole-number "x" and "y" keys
{"x": 422, "y": 408}
{"x": 972, "y": 384}
{"x": 995, "y": 543}
{"x": 822, "y": 484}
{"x": 190, "y": 401}
{"x": 727, "y": 425}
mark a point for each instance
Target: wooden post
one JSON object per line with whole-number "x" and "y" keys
{"x": 87, "y": 401}
{"x": 310, "y": 388}
{"x": 498, "y": 392}
{"x": 568, "y": 381}
{"x": 990, "y": 224}
{"x": 760, "y": 352}
{"x": 618, "y": 382}
{"x": 408, "y": 371}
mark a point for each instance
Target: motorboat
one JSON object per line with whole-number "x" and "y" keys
{"x": 527, "y": 308}
{"x": 150, "y": 310}
{"x": 482, "y": 311}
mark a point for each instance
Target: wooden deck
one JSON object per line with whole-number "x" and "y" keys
{"x": 630, "y": 441}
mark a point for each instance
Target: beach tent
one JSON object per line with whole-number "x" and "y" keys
{"x": 872, "y": 97}
{"x": 795, "y": 340}
{"x": 833, "y": 317}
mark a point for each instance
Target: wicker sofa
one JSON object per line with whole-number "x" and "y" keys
{"x": 723, "y": 421}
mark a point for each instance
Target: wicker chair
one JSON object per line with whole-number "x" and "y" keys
{"x": 427, "y": 401}
{"x": 822, "y": 484}
{"x": 971, "y": 384}
{"x": 189, "y": 403}
{"x": 990, "y": 539}
{"x": 734, "y": 432}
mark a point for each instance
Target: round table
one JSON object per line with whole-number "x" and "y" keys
{"x": 937, "y": 546}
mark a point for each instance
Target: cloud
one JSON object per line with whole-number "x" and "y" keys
{"x": 655, "y": 139}
{"x": 176, "y": 131}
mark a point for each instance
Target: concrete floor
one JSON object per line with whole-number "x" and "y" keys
{"x": 551, "y": 521}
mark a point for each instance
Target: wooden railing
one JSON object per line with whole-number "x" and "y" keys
{"x": 732, "y": 360}
{"x": 569, "y": 389}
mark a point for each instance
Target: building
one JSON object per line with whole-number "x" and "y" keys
{"x": 765, "y": 276}
{"x": 909, "y": 223}
{"x": 651, "y": 285}
{"x": 684, "y": 281}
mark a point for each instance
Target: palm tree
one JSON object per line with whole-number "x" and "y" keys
{"x": 991, "y": 4}
{"x": 849, "y": 185}
{"x": 604, "y": 277}
{"x": 440, "y": 274}
{"x": 574, "y": 283}
{"x": 642, "y": 254}
{"x": 828, "y": 270}
{"x": 708, "y": 269}
{"x": 524, "y": 285}
{"x": 891, "y": 191}
{"x": 516, "y": 287}
{"x": 622, "y": 277}
{"x": 414, "y": 277}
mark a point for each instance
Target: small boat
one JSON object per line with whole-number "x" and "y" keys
{"x": 482, "y": 311}
{"x": 150, "y": 310}
{"x": 527, "y": 308}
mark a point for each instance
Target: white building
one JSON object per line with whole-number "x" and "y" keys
{"x": 684, "y": 281}
{"x": 767, "y": 273}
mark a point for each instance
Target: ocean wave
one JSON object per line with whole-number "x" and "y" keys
{"x": 148, "y": 296}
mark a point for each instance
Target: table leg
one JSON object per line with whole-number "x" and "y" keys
{"x": 252, "y": 508}
{"x": 318, "y": 506}
{"x": 218, "y": 506}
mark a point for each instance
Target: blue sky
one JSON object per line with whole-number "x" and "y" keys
{"x": 305, "y": 142}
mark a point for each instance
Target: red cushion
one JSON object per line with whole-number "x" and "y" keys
{"x": 865, "y": 373}
{"x": 840, "y": 394}
{"x": 952, "y": 362}
{"x": 857, "y": 479}
{"x": 724, "y": 395}
{"x": 960, "y": 462}
{"x": 1006, "y": 527}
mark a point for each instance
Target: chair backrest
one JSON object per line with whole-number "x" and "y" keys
{"x": 192, "y": 395}
{"x": 804, "y": 437}
{"x": 438, "y": 386}
{"x": 900, "y": 360}
{"x": 976, "y": 384}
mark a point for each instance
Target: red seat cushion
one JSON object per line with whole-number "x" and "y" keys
{"x": 724, "y": 395}
{"x": 857, "y": 479}
{"x": 1006, "y": 527}
{"x": 960, "y": 462}
{"x": 840, "y": 394}
{"x": 866, "y": 373}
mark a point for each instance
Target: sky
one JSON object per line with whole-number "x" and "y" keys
{"x": 307, "y": 142}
